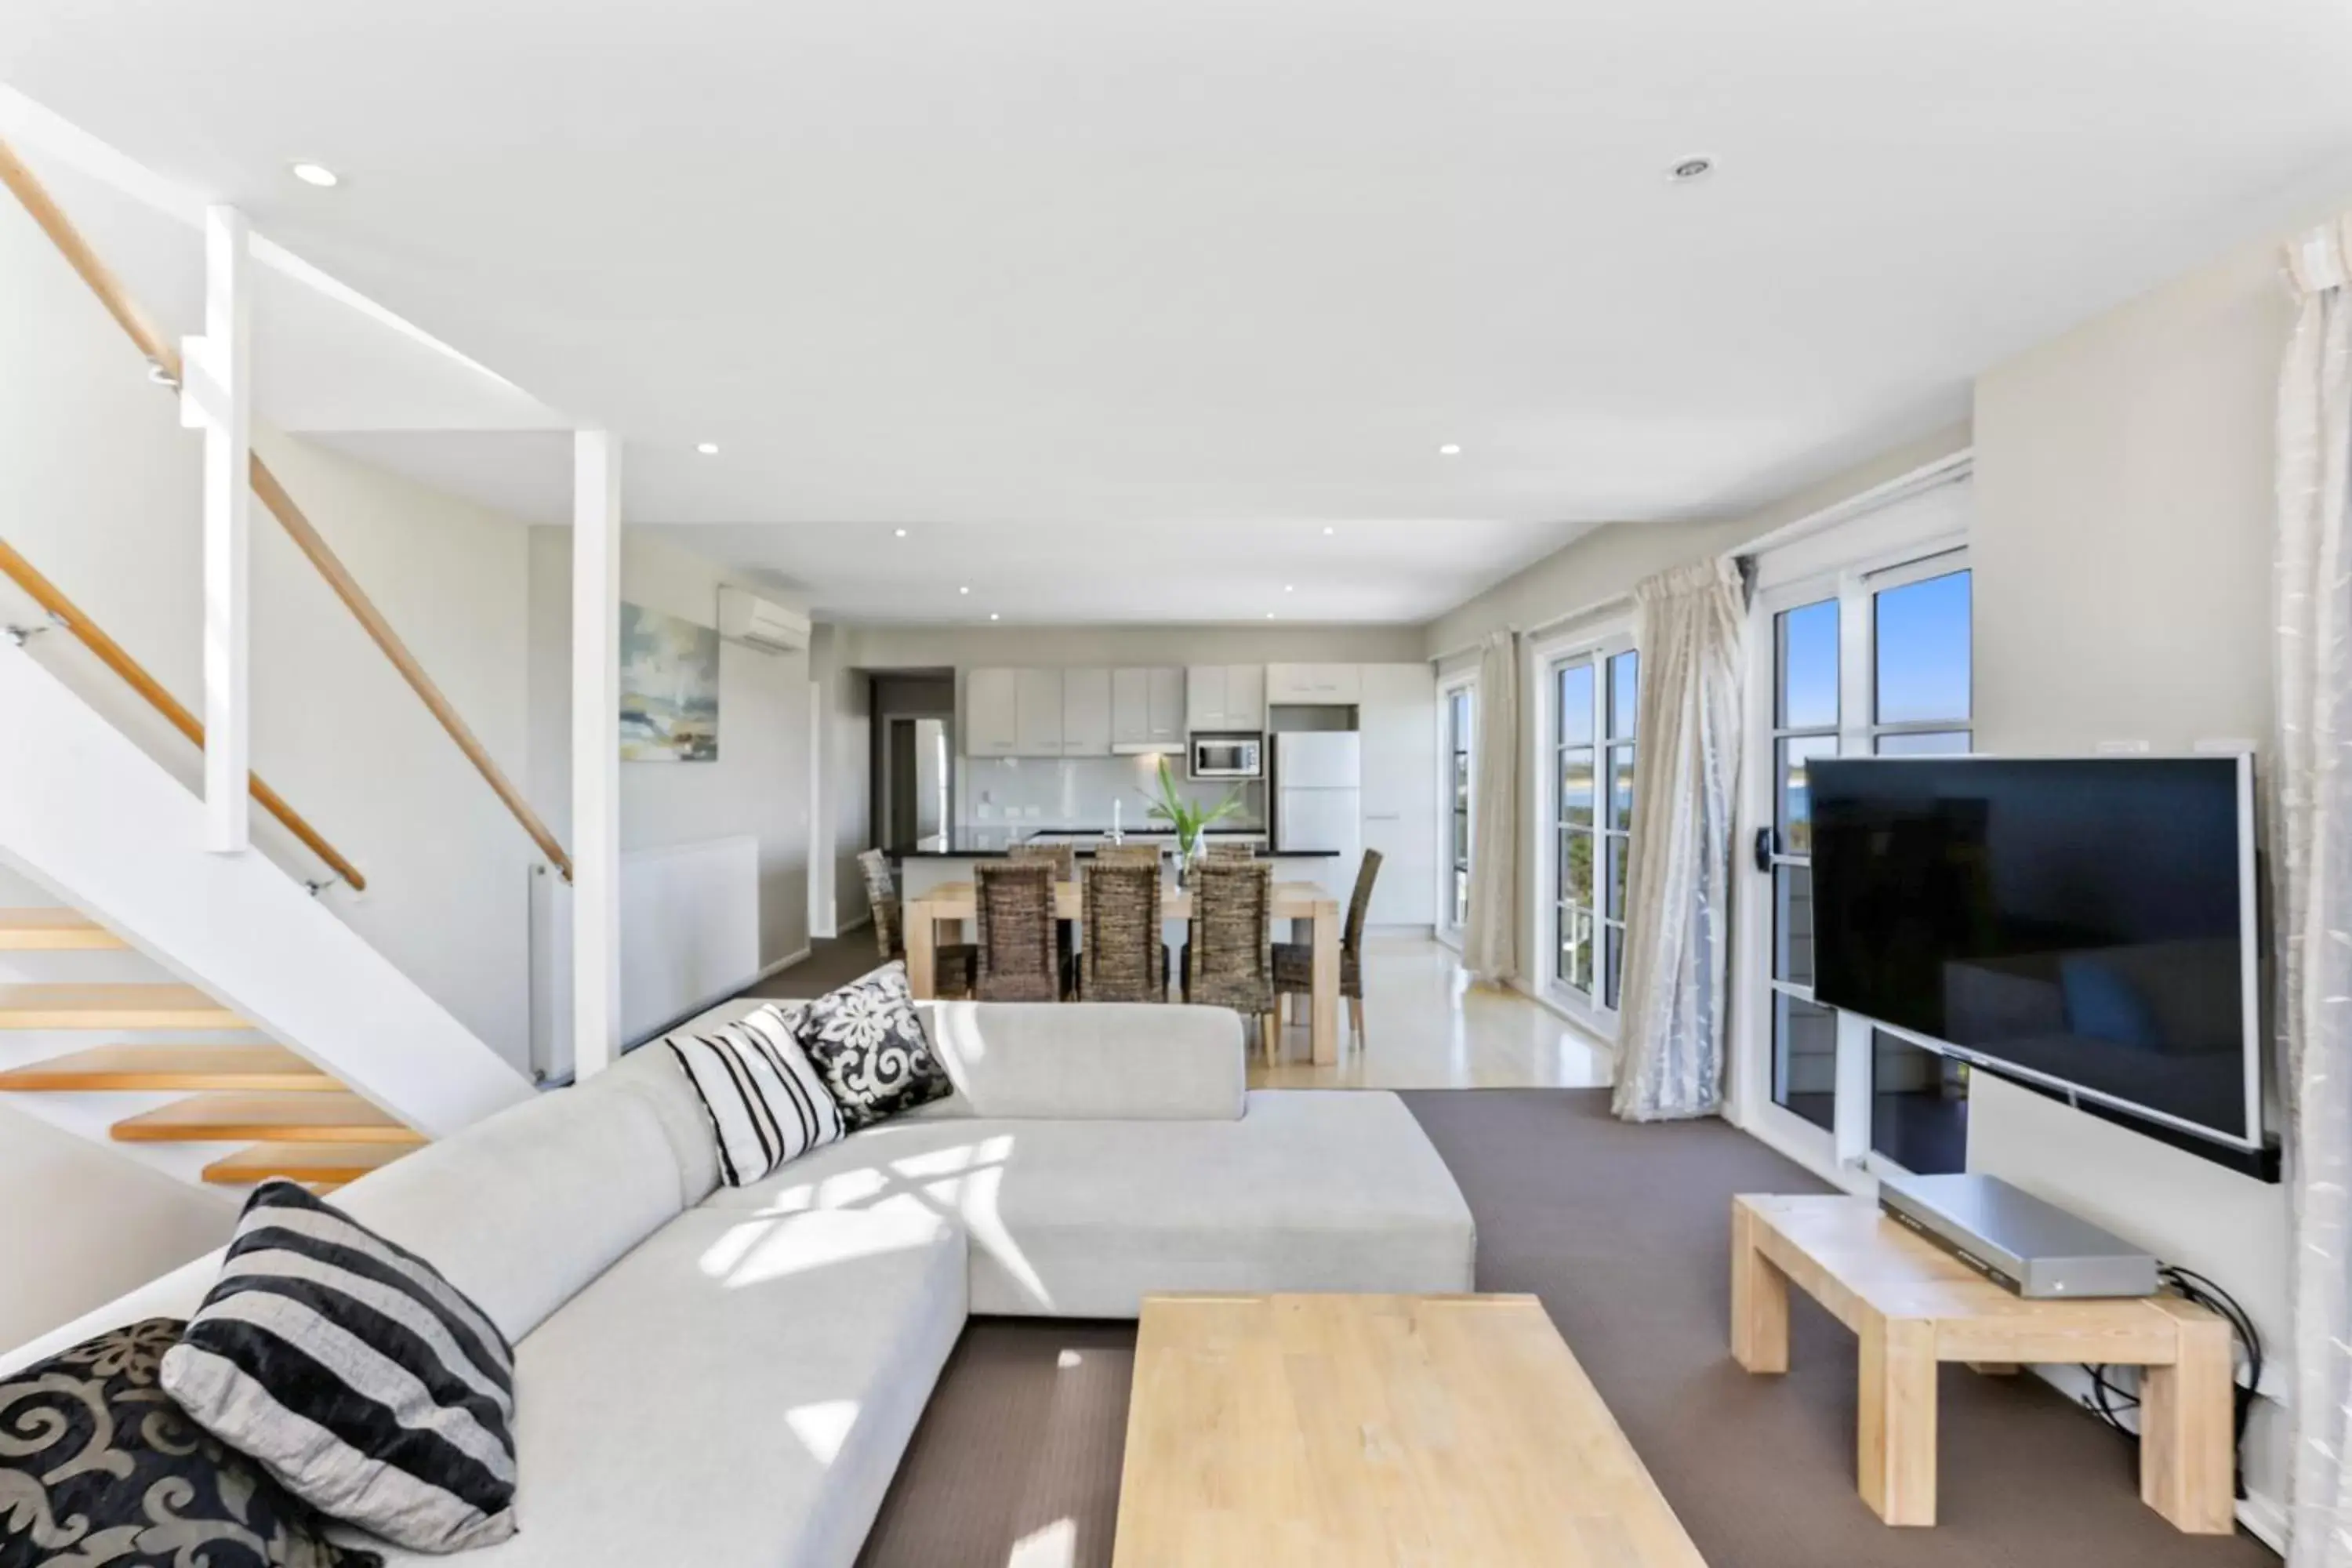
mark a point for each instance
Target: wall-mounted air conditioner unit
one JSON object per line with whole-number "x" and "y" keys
{"x": 746, "y": 617}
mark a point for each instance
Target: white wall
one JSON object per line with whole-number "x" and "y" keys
{"x": 877, "y": 648}
{"x": 758, "y": 785}
{"x": 2121, "y": 548}
{"x": 98, "y": 490}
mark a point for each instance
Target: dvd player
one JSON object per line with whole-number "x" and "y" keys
{"x": 2035, "y": 1248}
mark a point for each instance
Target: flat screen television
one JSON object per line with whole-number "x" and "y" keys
{"x": 2084, "y": 923}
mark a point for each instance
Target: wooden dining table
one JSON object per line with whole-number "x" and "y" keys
{"x": 952, "y": 903}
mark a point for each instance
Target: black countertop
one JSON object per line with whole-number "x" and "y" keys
{"x": 989, "y": 845}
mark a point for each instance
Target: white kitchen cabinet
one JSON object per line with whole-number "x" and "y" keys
{"x": 1224, "y": 697}
{"x": 1164, "y": 707}
{"x": 1086, "y": 713}
{"x": 1130, "y": 706}
{"x": 1396, "y": 721}
{"x": 991, "y": 723}
{"x": 1313, "y": 683}
{"x": 1037, "y": 704}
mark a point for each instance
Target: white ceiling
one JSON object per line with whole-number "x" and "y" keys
{"x": 1035, "y": 277}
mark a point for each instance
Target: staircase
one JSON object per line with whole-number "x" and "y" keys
{"x": 248, "y": 1109}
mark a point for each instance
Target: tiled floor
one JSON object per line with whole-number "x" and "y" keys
{"x": 1428, "y": 1027}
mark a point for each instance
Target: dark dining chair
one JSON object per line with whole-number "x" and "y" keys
{"x": 951, "y": 974}
{"x": 1064, "y": 858}
{"x": 1232, "y": 850}
{"x": 1294, "y": 962}
{"x": 1123, "y": 959}
{"x": 1020, "y": 952}
{"x": 1229, "y": 960}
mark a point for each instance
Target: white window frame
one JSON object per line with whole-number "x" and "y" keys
{"x": 1598, "y": 645}
{"x": 1851, "y": 561}
{"x": 1447, "y": 931}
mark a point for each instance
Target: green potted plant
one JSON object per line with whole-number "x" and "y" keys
{"x": 1189, "y": 820}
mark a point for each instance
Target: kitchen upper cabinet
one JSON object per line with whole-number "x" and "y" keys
{"x": 1147, "y": 706}
{"x": 1087, "y": 712}
{"x": 1396, "y": 718}
{"x": 991, "y": 723}
{"x": 1224, "y": 697}
{"x": 1164, "y": 708}
{"x": 1037, "y": 703}
{"x": 1313, "y": 683}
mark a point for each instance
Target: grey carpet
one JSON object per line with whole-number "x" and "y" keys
{"x": 1623, "y": 1232}
{"x": 832, "y": 963}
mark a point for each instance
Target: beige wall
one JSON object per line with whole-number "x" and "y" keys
{"x": 759, "y": 785}
{"x": 2121, "y": 548}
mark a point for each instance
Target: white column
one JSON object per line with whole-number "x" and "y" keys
{"x": 595, "y": 750}
{"x": 216, "y": 396}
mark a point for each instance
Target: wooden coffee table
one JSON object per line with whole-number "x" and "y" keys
{"x": 1439, "y": 1431}
{"x": 1913, "y": 1305}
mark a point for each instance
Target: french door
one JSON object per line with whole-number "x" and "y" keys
{"x": 1872, "y": 661}
{"x": 1458, "y": 717}
{"x": 1590, "y": 698}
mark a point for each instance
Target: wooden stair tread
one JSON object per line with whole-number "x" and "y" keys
{"x": 326, "y": 1163}
{"x": 140, "y": 1005}
{"x": 193, "y": 1068}
{"x": 52, "y": 930}
{"x": 338, "y": 1118}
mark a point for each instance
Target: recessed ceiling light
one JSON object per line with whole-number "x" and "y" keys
{"x": 1289, "y": 588}
{"x": 316, "y": 174}
{"x": 1326, "y": 528}
{"x": 707, "y": 449}
{"x": 1686, "y": 169}
{"x": 1451, "y": 450}
{"x": 899, "y": 532}
{"x": 1269, "y": 615}
{"x": 992, "y": 614}
{"x": 965, "y": 590}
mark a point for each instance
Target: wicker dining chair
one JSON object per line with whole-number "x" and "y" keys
{"x": 1294, "y": 962}
{"x": 1232, "y": 850}
{"x": 951, "y": 973}
{"x": 1020, "y": 954}
{"x": 1064, "y": 858}
{"x": 1229, "y": 961}
{"x": 1123, "y": 959}
{"x": 1133, "y": 854}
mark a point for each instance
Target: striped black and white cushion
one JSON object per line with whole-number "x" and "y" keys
{"x": 767, "y": 1104}
{"x": 359, "y": 1377}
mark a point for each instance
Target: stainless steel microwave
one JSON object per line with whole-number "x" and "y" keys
{"x": 1228, "y": 756}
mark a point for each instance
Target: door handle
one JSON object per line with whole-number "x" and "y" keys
{"x": 1766, "y": 839}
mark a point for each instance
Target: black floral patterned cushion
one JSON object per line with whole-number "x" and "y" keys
{"x": 98, "y": 1466}
{"x": 867, "y": 1043}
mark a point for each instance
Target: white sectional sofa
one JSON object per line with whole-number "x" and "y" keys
{"x": 726, "y": 1376}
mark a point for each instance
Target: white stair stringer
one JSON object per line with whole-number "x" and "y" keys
{"x": 89, "y": 815}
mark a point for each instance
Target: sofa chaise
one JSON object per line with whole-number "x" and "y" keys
{"x": 729, "y": 1376}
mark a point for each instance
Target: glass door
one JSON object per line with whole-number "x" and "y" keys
{"x": 1861, "y": 663}
{"x": 1593, "y": 695}
{"x": 1460, "y": 716}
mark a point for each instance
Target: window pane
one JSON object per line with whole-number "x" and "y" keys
{"x": 1575, "y": 715}
{"x": 1575, "y": 868}
{"x": 1804, "y": 1059}
{"x": 1924, "y": 743}
{"x": 1613, "y": 946}
{"x": 1576, "y": 786}
{"x": 1461, "y": 898}
{"x": 1619, "y": 852}
{"x": 1919, "y": 1107}
{"x": 1461, "y": 838}
{"x": 1809, "y": 667}
{"x": 1923, "y": 650}
{"x": 1796, "y": 816}
{"x": 1575, "y": 968}
{"x": 1620, "y": 788}
{"x": 1792, "y": 925}
{"x": 1624, "y": 682}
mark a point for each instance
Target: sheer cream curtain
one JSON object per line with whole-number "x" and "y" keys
{"x": 1490, "y": 945}
{"x": 1690, "y": 625}
{"x": 2311, "y": 819}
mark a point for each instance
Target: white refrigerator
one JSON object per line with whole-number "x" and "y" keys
{"x": 1319, "y": 801}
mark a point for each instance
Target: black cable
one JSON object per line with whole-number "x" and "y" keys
{"x": 2108, "y": 1401}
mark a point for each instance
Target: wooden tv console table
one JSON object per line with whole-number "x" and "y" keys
{"x": 1913, "y": 1306}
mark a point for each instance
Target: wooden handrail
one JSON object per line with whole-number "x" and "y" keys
{"x": 307, "y": 539}
{"x": 113, "y": 655}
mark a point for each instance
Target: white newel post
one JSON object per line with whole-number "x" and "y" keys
{"x": 217, "y": 397}
{"x": 595, "y": 750}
